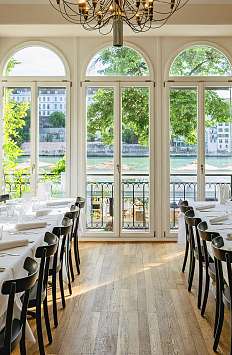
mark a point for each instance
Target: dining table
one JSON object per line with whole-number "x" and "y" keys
{"x": 26, "y": 226}
{"x": 219, "y": 219}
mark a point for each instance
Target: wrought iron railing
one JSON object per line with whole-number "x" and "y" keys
{"x": 17, "y": 184}
{"x": 134, "y": 202}
{"x": 134, "y": 192}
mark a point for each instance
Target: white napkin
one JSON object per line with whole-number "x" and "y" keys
{"x": 58, "y": 203}
{"x": 30, "y": 225}
{"x": 205, "y": 207}
{"x": 42, "y": 212}
{"x": 218, "y": 219}
{"x": 14, "y": 243}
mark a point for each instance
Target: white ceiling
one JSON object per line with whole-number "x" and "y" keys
{"x": 19, "y": 2}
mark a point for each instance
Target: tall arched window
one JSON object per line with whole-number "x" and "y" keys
{"x": 200, "y": 60}
{"x": 35, "y": 116}
{"x": 200, "y": 109}
{"x": 118, "y": 142}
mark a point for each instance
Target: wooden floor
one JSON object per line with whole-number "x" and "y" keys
{"x": 131, "y": 299}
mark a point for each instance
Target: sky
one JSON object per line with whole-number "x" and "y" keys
{"x": 37, "y": 61}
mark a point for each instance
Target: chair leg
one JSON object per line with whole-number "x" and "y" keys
{"x": 185, "y": 255}
{"x": 219, "y": 325}
{"x": 191, "y": 271}
{"x": 47, "y": 322}
{"x": 22, "y": 344}
{"x": 39, "y": 331}
{"x": 199, "y": 284}
{"x": 68, "y": 272}
{"x": 230, "y": 331}
{"x": 54, "y": 303}
{"x": 76, "y": 255}
{"x": 71, "y": 265}
{"x": 206, "y": 293}
{"x": 62, "y": 287}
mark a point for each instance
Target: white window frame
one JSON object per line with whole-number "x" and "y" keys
{"x": 118, "y": 86}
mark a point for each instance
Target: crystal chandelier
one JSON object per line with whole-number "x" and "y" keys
{"x": 109, "y": 15}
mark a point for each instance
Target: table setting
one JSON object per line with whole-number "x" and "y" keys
{"x": 23, "y": 223}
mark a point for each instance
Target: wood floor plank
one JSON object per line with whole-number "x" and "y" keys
{"x": 131, "y": 299}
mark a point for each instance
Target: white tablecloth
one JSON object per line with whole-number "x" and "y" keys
{"x": 224, "y": 228}
{"x": 14, "y": 264}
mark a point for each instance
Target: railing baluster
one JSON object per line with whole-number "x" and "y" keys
{"x": 102, "y": 205}
{"x": 133, "y": 202}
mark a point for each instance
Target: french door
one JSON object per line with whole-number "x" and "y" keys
{"x": 35, "y": 139}
{"x": 199, "y": 143}
{"x": 118, "y": 159}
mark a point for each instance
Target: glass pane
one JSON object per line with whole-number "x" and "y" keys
{"x": 17, "y": 156}
{"x": 118, "y": 61}
{"x": 100, "y": 158}
{"x": 200, "y": 61}
{"x": 52, "y": 139}
{"x": 183, "y": 148}
{"x": 135, "y": 159}
{"x": 218, "y": 143}
{"x": 35, "y": 61}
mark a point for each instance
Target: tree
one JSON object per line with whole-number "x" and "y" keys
{"x": 57, "y": 119}
{"x": 16, "y": 117}
{"x": 135, "y": 101}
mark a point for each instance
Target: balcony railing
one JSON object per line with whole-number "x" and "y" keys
{"x": 100, "y": 202}
{"x": 134, "y": 193}
{"x": 17, "y": 184}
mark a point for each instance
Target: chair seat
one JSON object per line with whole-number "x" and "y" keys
{"x": 33, "y": 296}
{"x": 15, "y": 337}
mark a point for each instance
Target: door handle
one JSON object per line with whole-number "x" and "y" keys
{"x": 202, "y": 168}
{"x": 33, "y": 168}
{"x": 118, "y": 168}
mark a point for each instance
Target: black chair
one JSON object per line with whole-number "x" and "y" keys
{"x": 38, "y": 294}
{"x": 210, "y": 271}
{"x": 184, "y": 207}
{"x": 80, "y": 202}
{"x": 4, "y": 198}
{"x": 74, "y": 216}
{"x": 224, "y": 293}
{"x": 14, "y": 330}
{"x": 62, "y": 232}
{"x": 195, "y": 252}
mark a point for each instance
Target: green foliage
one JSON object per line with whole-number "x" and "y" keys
{"x": 183, "y": 113}
{"x": 57, "y": 169}
{"x": 200, "y": 60}
{"x": 119, "y": 61}
{"x": 10, "y": 65}
{"x": 14, "y": 121}
{"x": 57, "y": 119}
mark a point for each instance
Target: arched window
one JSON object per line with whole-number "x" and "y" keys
{"x": 200, "y": 60}
{"x": 39, "y": 122}
{"x": 113, "y": 61}
{"x": 34, "y": 61}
